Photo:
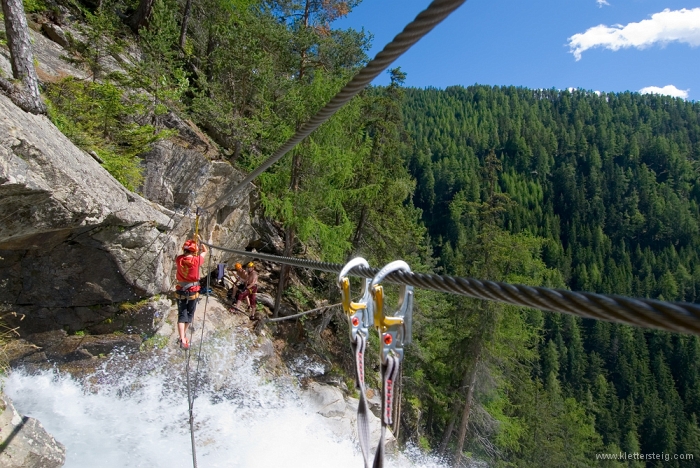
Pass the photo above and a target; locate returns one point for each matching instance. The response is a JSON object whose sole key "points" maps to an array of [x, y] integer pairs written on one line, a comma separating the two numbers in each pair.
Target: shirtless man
{"points": [[251, 288]]}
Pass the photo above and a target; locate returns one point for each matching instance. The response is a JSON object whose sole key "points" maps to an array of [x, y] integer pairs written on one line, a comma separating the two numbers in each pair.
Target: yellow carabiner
{"points": [[349, 306], [382, 322], [359, 313]]}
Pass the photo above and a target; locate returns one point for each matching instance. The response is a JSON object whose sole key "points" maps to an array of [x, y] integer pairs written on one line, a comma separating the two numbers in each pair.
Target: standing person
{"points": [[251, 289], [187, 289], [239, 279]]}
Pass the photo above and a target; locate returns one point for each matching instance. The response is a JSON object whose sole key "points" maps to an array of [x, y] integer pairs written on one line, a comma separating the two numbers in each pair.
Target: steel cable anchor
{"points": [[395, 329], [360, 319], [359, 313], [394, 332]]}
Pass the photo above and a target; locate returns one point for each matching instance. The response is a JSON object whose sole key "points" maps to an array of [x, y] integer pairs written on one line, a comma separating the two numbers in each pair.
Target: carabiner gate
{"points": [[395, 329], [359, 313]]}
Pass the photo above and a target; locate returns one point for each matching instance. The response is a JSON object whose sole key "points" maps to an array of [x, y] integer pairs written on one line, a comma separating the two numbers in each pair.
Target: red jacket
{"points": [[188, 270]]}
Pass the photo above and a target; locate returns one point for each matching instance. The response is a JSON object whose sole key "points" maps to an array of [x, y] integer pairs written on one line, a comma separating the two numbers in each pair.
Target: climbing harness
{"points": [[360, 319], [394, 332]]}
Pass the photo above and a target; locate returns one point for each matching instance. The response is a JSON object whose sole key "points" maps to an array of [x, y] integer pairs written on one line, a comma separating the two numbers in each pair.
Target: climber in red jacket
{"points": [[187, 289]]}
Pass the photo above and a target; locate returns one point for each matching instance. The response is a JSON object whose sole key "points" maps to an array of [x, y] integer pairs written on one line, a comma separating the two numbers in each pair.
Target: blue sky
{"points": [[600, 45]]}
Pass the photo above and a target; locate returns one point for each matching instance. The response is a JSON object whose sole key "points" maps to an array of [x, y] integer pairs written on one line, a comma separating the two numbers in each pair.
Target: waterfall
{"points": [[132, 411]]}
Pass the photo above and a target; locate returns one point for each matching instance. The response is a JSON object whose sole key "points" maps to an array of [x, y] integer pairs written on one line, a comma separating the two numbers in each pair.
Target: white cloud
{"points": [[601, 3], [668, 90], [664, 27]]}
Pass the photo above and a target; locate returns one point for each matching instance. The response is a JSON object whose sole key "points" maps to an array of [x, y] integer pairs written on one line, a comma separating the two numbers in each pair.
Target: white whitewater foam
{"points": [[134, 413]]}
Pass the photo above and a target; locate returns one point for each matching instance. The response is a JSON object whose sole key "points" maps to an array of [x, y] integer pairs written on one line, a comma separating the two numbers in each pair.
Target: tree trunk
{"points": [[447, 435], [140, 17], [465, 413], [284, 269], [28, 97], [289, 231], [450, 427], [185, 19], [304, 52], [280, 289], [211, 46], [357, 237]]}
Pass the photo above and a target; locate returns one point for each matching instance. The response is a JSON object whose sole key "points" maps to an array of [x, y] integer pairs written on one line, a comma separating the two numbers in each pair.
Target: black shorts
{"points": [[185, 310]]}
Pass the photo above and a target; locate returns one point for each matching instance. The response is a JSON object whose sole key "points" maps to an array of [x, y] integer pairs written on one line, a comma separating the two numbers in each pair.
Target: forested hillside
{"points": [[606, 187]]}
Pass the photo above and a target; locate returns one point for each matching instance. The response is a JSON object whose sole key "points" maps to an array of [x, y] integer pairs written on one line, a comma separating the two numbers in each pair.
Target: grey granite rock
{"points": [[24, 443]]}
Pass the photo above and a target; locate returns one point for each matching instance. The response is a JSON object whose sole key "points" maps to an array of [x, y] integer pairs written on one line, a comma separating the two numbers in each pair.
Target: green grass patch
{"points": [[134, 306], [154, 342], [6, 335], [34, 6], [100, 117]]}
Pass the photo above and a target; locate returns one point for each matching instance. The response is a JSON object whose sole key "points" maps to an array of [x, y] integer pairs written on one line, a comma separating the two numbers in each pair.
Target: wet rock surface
{"points": [[24, 443], [341, 413]]}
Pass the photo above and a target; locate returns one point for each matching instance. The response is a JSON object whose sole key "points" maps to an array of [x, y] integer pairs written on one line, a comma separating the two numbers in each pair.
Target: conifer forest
{"points": [[572, 189]]}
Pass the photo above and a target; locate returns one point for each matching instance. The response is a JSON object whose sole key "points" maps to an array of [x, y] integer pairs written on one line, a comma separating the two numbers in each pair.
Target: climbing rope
{"points": [[192, 394], [426, 20], [190, 403], [679, 317]]}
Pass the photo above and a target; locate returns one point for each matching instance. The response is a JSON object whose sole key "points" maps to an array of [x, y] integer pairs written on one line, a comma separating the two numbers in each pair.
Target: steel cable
{"points": [[318, 309], [426, 20], [681, 317], [192, 393]]}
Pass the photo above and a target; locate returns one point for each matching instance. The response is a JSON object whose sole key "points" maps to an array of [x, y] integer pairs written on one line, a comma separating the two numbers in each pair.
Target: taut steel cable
{"points": [[426, 20], [681, 317], [318, 309]]}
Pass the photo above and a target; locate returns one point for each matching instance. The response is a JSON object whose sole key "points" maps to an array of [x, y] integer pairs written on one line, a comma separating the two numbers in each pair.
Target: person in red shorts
{"points": [[251, 288], [187, 289]]}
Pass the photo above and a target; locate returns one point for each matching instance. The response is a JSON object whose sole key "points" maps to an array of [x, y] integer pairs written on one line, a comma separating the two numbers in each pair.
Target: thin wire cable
{"points": [[324, 308], [201, 335], [23, 207], [191, 396], [189, 404], [680, 317], [186, 214], [154, 241], [426, 20]]}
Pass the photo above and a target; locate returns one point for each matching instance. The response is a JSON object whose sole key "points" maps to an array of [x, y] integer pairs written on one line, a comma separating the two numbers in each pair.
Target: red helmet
{"points": [[190, 245]]}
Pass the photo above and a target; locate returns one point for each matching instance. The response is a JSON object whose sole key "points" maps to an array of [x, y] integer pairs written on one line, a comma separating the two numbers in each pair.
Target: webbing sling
{"points": [[360, 319], [394, 331], [358, 347], [390, 373]]}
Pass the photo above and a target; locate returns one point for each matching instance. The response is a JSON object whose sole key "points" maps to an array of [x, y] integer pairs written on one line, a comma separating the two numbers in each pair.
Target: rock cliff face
{"points": [[73, 241], [75, 245], [65, 225]]}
